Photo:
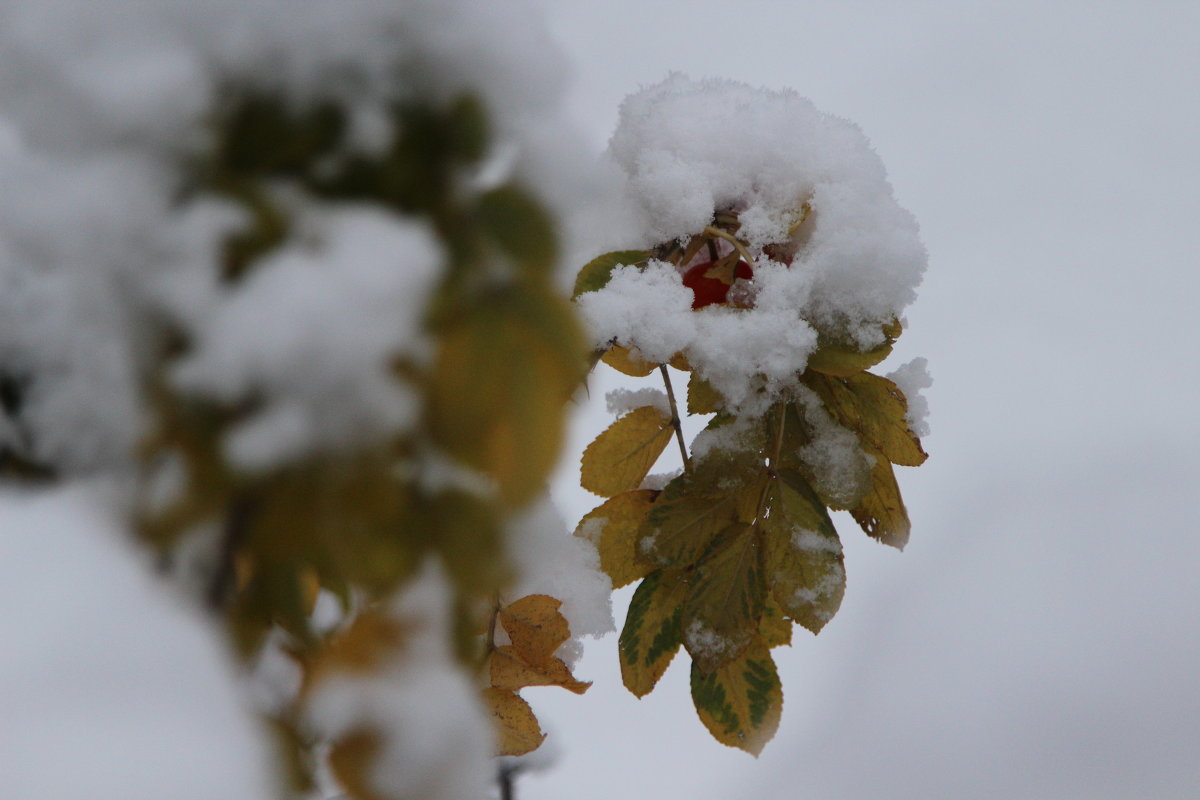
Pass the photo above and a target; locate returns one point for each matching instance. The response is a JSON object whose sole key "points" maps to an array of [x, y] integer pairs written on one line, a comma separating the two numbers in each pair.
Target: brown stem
{"points": [[675, 421]]}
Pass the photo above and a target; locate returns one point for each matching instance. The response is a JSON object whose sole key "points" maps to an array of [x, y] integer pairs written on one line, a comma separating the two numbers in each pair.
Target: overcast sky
{"points": [[1040, 637]]}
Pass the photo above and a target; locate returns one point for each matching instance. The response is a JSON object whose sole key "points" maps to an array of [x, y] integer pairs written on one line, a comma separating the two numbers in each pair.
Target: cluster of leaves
{"points": [[740, 546], [535, 629], [357, 523]]}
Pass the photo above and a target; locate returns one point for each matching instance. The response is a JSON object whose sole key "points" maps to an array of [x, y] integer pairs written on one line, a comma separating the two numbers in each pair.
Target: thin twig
{"points": [[675, 421], [729, 237]]}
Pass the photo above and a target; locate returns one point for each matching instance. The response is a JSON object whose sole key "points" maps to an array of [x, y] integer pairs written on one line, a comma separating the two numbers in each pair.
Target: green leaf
{"points": [[619, 459], [725, 599], [613, 528], [876, 409], [651, 636], [740, 702], [595, 274], [881, 512], [520, 226], [803, 555]]}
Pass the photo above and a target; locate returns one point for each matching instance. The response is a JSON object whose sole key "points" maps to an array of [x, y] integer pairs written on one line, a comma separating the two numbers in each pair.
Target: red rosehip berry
{"points": [[708, 289]]}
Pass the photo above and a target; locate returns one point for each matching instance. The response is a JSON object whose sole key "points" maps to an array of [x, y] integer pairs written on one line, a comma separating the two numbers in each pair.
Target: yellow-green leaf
{"points": [[504, 370], [877, 410], [774, 629], [628, 362], [596, 273], [725, 599], [803, 555], [740, 702], [651, 635], [684, 520], [517, 729], [508, 669], [881, 512], [621, 457], [613, 528], [702, 397]]}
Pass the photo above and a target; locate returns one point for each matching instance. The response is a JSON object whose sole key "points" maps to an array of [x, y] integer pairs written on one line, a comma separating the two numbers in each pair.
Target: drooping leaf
{"points": [[509, 669], [702, 397], [613, 528], [620, 458], [740, 702], [881, 512], [877, 410], [504, 371], [725, 599], [517, 729], [651, 635], [596, 273], [803, 555], [535, 626], [627, 362], [839, 360]]}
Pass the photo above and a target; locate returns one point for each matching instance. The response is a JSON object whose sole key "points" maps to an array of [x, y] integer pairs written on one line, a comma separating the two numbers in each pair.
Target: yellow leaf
{"points": [[509, 670], [877, 410], [624, 360], [535, 626], [680, 362], [881, 512], [841, 361], [689, 513], [702, 397], [613, 528], [740, 702], [803, 555], [351, 761], [725, 599], [620, 457], [517, 729], [651, 636]]}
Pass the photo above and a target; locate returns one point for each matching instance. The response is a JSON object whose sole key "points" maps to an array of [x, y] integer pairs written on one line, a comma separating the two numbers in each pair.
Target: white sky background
{"points": [[1040, 637]]}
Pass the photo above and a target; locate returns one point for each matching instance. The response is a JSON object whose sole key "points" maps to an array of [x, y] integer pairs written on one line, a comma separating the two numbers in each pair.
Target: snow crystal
{"points": [[622, 401], [810, 541], [702, 640], [911, 378], [830, 582], [730, 437], [659, 480], [840, 469]]}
